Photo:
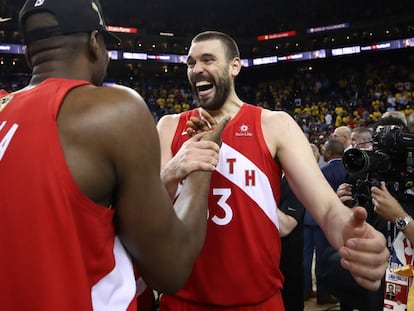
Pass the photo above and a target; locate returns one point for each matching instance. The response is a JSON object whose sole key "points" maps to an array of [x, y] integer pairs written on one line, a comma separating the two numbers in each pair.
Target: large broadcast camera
{"points": [[391, 160]]}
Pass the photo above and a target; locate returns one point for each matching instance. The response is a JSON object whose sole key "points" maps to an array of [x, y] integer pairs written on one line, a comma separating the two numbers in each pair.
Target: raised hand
{"points": [[203, 123], [364, 253], [385, 204]]}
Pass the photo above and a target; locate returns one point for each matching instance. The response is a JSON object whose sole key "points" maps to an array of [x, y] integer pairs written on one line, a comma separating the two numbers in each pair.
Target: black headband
{"points": [[42, 33]]}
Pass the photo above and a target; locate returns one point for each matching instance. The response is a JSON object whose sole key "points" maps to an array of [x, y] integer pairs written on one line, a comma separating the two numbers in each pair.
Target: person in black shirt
{"points": [[291, 260]]}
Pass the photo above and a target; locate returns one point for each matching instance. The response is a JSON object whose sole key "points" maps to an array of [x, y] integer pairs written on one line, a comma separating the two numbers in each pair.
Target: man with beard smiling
{"points": [[238, 267]]}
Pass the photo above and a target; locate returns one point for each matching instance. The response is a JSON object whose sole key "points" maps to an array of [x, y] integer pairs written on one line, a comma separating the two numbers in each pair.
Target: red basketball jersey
{"points": [[239, 263], [59, 249]]}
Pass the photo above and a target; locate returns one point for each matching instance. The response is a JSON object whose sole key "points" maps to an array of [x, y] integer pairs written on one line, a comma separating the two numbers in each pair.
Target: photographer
{"points": [[361, 138], [398, 212], [388, 205], [392, 215]]}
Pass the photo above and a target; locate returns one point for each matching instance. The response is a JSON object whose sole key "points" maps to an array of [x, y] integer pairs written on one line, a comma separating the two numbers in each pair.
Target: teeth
{"points": [[202, 83]]}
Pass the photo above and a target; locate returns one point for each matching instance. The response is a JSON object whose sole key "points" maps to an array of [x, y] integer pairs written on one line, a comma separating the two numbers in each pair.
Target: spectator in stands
{"points": [[328, 118]]}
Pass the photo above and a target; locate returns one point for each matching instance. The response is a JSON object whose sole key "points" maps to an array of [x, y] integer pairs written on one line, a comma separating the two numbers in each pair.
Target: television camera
{"points": [[391, 160]]}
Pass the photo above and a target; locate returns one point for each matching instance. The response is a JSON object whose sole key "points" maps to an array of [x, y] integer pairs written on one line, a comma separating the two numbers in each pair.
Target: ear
{"points": [[93, 44], [28, 57], [236, 66]]}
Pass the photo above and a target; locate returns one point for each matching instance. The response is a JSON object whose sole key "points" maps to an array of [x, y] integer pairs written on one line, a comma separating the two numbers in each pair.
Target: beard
{"points": [[223, 87]]}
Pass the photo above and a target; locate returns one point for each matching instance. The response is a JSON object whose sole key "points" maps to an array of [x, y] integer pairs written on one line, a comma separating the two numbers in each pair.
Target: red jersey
{"points": [[60, 251], [239, 263], [3, 93]]}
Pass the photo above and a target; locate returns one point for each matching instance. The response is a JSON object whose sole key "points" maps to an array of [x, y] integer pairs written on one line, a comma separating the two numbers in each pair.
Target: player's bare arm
{"points": [[364, 253], [195, 154], [122, 146]]}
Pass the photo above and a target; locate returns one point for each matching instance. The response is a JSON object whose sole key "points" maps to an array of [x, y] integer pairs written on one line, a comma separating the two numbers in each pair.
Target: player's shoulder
{"points": [[274, 113], [114, 99], [170, 117], [276, 117], [105, 108], [169, 121], [119, 93]]}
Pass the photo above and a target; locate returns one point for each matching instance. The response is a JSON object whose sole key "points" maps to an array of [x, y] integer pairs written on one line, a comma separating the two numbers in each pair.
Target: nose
{"points": [[197, 68]]}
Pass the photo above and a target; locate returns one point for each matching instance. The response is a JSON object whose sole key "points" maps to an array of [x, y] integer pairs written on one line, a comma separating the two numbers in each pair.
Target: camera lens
{"points": [[356, 160]]}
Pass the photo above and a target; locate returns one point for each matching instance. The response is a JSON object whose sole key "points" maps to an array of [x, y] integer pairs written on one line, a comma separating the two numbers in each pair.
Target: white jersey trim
{"points": [[261, 193], [116, 290]]}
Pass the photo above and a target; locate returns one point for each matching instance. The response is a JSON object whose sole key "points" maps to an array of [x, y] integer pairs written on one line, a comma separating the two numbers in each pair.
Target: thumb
{"points": [[215, 134], [359, 216], [356, 226]]}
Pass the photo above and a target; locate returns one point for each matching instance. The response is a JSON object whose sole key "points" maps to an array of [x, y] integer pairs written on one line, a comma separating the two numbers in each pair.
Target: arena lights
{"points": [[327, 28], [279, 35], [121, 29], [166, 34], [271, 59], [264, 60], [346, 50], [136, 56], [12, 48]]}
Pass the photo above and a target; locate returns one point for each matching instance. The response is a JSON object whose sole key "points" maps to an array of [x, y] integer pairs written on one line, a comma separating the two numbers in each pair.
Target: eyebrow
{"points": [[208, 55], [204, 55]]}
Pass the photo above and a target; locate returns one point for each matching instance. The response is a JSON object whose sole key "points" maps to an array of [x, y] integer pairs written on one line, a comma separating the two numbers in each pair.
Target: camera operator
{"points": [[392, 215], [398, 212], [361, 138]]}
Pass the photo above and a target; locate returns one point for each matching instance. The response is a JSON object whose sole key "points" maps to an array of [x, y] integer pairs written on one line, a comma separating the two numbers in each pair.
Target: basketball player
{"points": [[238, 268]]}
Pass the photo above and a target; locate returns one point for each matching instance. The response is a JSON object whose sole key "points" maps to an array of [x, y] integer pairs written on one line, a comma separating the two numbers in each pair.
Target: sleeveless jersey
{"points": [[59, 249], [239, 263]]}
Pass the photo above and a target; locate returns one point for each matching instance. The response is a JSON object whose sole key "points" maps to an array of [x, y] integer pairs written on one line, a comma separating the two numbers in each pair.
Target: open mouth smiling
{"points": [[204, 86]]}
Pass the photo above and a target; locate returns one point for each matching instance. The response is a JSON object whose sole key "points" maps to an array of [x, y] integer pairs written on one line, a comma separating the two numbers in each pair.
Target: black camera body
{"points": [[391, 160]]}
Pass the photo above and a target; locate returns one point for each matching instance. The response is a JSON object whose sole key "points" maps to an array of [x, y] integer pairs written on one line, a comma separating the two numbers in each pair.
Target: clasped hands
{"points": [[201, 151]]}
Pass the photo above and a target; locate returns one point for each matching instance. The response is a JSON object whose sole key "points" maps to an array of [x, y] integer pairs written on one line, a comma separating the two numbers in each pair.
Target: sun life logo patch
{"points": [[244, 131]]}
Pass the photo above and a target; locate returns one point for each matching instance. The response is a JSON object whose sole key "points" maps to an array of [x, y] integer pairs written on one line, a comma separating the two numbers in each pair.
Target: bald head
{"points": [[343, 135], [395, 115]]}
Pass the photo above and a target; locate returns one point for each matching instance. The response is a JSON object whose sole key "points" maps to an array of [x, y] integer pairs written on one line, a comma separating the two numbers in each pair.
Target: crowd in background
{"points": [[319, 100], [158, 16]]}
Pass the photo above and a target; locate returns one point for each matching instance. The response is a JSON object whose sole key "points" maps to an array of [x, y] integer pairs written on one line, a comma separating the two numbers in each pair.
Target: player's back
{"points": [[59, 246]]}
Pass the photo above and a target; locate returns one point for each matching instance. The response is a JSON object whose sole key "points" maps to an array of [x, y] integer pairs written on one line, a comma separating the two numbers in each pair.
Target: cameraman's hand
{"points": [[344, 192], [364, 253], [385, 204]]}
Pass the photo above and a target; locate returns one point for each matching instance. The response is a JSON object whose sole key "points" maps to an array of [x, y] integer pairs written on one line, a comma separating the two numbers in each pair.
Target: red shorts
{"points": [[169, 303]]}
